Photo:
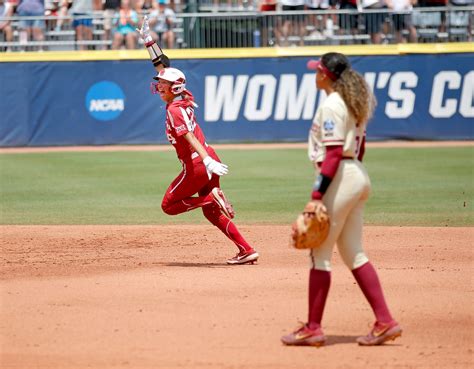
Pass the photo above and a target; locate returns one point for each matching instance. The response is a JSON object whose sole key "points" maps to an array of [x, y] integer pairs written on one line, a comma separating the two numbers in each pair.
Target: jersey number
{"points": [[188, 116]]}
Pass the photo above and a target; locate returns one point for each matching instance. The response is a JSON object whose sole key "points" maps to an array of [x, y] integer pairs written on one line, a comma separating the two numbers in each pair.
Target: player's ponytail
{"points": [[355, 92], [189, 98]]}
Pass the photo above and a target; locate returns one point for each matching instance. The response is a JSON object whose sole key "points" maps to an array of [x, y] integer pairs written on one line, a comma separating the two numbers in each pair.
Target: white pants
{"points": [[345, 200]]}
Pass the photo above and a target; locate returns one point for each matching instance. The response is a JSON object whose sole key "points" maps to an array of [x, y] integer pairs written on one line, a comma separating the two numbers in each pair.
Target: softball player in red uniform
{"points": [[336, 147], [202, 167]]}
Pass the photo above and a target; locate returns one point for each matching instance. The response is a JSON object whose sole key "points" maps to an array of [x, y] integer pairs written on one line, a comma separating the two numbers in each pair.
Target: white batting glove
{"points": [[213, 166], [144, 31]]}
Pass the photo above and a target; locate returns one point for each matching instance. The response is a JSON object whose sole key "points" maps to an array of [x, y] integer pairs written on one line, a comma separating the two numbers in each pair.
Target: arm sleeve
{"points": [[331, 161], [328, 168]]}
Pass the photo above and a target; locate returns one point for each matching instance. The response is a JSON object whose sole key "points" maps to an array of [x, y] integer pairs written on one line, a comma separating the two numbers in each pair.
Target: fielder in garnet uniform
{"points": [[336, 147], [202, 167]]}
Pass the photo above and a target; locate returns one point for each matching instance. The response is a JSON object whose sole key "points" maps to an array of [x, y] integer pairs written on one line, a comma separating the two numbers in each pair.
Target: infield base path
{"points": [[163, 297]]}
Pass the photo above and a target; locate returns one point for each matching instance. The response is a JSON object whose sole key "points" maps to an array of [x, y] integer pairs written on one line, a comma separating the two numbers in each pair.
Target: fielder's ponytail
{"points": [[355, 92]]}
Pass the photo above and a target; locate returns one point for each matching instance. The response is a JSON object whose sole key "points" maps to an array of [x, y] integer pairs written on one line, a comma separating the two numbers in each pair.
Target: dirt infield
{"points": [[162, 297], [246, 146]]}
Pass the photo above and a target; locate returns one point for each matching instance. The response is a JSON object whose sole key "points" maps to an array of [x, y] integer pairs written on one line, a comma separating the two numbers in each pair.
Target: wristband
{"points": [[322, 183], [316, 195]]}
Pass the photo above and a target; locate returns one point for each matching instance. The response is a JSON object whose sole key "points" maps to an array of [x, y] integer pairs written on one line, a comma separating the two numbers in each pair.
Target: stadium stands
{"points": [[241, 26]]}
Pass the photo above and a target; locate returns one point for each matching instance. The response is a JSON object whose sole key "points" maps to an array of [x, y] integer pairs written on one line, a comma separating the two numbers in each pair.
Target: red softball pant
{"points": [[192, 180]]}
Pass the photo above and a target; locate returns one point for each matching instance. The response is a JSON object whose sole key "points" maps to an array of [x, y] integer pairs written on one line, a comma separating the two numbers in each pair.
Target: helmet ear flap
{"points": [[178, 86]]}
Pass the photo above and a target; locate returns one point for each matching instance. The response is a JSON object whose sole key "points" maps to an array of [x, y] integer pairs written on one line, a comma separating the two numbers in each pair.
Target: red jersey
{"points": [[180, 120]]}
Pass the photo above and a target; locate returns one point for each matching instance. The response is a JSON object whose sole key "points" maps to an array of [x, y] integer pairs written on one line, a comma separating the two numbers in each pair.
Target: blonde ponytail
{"points": [[356, 94]]}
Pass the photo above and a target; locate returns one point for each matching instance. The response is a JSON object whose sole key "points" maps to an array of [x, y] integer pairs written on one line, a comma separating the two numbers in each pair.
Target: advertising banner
{"points": [[420, 97]]}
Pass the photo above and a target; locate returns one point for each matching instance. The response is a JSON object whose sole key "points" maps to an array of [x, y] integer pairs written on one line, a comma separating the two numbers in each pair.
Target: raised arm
{"points": [[158, 59]]}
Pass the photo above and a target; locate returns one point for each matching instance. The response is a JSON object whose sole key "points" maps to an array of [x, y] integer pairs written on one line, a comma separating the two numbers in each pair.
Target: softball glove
{"points": [[310, 229]]}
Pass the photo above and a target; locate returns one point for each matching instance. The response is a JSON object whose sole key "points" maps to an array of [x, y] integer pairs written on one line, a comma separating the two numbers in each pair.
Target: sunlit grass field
{"points": [[411, 186]]}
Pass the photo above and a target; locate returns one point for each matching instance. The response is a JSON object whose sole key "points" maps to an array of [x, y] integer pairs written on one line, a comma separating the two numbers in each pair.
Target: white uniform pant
{"points": [[345, 200]]}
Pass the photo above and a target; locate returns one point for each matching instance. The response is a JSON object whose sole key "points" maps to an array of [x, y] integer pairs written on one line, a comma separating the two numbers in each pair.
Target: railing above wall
{"points": [[267, 29]]}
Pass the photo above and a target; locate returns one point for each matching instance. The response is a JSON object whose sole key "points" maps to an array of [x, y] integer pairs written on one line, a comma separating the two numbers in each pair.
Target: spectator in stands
{"points": [[316, 23], [81, 11], [125, 22], [237, 4], [161, 22], [348, 23], [145, 7], [436, 3], [373, 21], [402, 21], [52, 9], [460, 20], [291, 22], [6, 10], [31, 28], [110, 7], [267, 24]]}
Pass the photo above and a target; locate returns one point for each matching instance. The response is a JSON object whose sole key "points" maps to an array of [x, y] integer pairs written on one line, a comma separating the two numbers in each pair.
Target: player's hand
{"points": [[144, 31], [213, 166], [315, 208]]}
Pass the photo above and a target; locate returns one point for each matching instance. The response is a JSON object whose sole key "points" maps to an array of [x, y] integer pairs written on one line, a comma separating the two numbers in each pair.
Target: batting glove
{"points": [[213, 166], [145, 31]]}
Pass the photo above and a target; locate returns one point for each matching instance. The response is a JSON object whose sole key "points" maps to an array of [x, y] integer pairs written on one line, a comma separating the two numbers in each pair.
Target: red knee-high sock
{"points": [[185, 205], [369, 283], [319, 282], [214, 215]]}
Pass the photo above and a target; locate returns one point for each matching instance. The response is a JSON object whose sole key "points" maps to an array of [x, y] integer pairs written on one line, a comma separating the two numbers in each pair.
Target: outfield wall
{"points": [[99, 98]]}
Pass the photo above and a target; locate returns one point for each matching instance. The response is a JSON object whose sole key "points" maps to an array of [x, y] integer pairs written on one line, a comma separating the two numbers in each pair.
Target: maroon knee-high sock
{"points": [[214, 215], [369, 283], [319, 282]]}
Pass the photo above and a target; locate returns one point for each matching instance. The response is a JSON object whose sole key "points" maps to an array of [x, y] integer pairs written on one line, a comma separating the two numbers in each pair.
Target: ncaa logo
{"points": [[105, 100], [328, 125]]}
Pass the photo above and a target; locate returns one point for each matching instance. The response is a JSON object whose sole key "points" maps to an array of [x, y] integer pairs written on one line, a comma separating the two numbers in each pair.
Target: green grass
{"points": [[416, 186]]}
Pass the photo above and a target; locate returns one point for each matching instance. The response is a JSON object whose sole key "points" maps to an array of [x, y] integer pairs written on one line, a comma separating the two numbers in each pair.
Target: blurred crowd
{"points": [[375, 17], [119, 18]]}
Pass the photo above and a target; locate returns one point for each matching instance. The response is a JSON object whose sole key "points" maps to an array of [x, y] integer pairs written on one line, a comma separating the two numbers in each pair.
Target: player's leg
{"points": [[179, 198], [350, 248], [213, 212], [319, 283], [351, 251], [192, 179]]}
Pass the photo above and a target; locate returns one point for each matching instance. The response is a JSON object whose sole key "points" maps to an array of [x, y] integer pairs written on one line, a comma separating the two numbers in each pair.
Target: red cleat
{"points": [[380, 333], [220, 199], [244, 257], [304, 336]]}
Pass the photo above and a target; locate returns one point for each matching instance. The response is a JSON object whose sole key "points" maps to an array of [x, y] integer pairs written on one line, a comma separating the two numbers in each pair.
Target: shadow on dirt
{"points": [[335, 340], [194, 265]]}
